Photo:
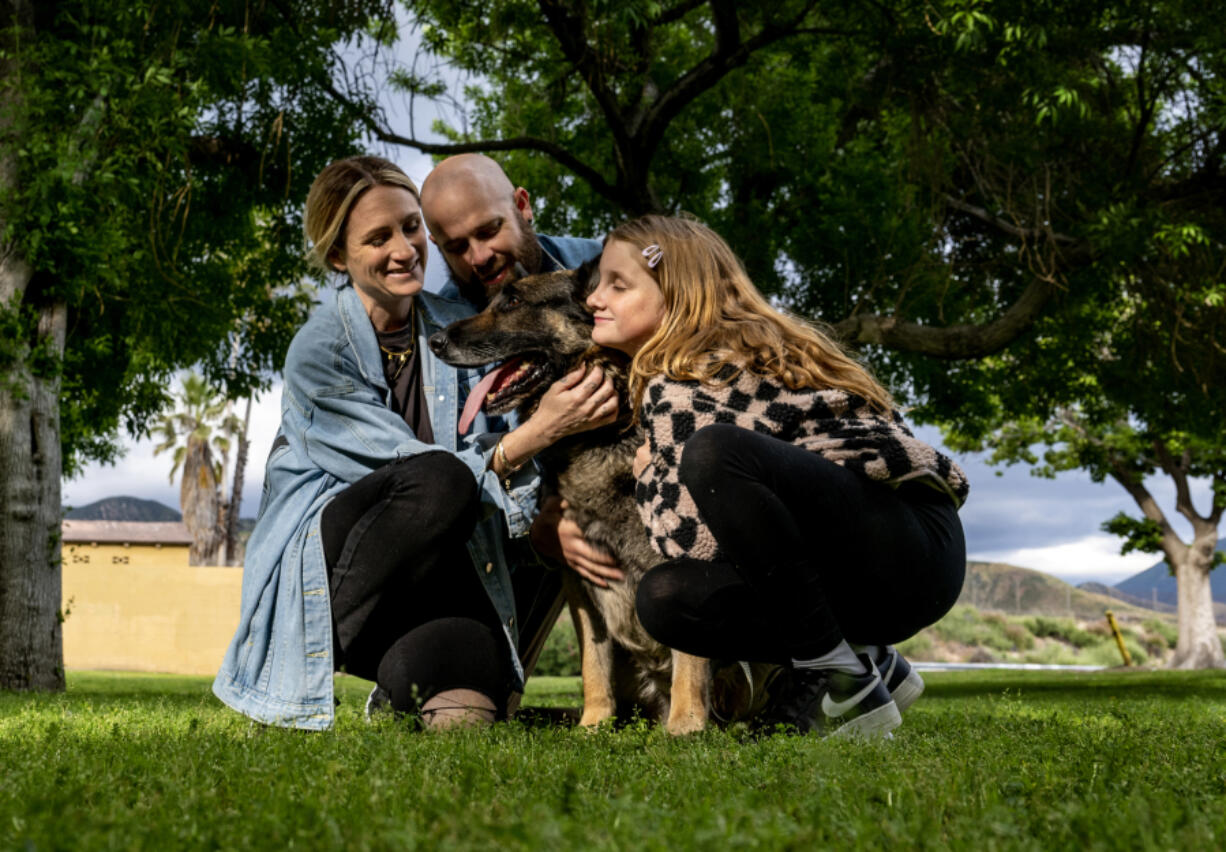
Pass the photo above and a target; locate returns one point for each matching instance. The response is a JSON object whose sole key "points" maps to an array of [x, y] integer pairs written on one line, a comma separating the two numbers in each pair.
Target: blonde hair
{"points": [[333, 195], [716, 323]]}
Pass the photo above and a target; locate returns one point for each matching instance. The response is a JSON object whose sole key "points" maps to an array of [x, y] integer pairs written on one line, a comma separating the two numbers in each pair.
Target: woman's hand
{"points": [[642, 458], [558, 538], [582, 399]]}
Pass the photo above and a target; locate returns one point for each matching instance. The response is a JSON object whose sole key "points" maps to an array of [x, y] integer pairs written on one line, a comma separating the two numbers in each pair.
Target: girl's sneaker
{"points": [[901, 679], [833, 703]]}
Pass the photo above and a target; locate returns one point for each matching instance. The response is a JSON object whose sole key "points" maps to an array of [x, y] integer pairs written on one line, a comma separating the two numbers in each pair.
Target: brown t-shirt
{"points": [[403, 373]]}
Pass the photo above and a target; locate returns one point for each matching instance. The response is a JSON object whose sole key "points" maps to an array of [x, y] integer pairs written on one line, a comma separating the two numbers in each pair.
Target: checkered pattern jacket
{"points": [[836, 424]]}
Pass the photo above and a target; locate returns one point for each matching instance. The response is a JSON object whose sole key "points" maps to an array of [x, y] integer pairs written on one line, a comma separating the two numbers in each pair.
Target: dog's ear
{"points": [[586, 278]]}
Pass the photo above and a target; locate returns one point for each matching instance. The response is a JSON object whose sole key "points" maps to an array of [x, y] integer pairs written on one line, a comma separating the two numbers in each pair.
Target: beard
{"points": [[528, 256]]}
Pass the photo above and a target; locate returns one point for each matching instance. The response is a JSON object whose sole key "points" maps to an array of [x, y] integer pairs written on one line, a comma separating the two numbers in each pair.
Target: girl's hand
{"points": [[642, 458], [582, 399], [561, 539]]}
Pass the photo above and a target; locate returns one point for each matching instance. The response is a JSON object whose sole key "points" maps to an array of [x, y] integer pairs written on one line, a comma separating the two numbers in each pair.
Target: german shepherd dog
{"points": [[541, 329]]}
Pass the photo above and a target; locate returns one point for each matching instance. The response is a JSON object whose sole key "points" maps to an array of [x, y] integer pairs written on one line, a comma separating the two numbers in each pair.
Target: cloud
{"points": [[1093, 558]]}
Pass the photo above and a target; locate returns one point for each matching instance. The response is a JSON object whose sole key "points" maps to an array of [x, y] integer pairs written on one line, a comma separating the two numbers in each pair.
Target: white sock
{"points": [[875, 652], [842, 659]]}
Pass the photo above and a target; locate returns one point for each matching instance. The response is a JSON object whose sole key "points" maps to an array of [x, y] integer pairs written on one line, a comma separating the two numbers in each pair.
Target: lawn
{"points": [[1114, 760]]}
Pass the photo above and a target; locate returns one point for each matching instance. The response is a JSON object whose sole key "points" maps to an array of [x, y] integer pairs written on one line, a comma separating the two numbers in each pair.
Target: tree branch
{"points": [[1179, 474], [568, 29], [515, 143], [953, 342], [1008, 227], [1172, 546], [730, 52]]}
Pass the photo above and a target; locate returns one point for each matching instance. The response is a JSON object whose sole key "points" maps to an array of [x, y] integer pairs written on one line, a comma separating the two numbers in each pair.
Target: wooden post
{"points": [[1119, 638]]}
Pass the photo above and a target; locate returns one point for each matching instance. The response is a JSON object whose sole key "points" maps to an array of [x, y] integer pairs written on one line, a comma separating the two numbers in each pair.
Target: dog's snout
{"points": [[438, 342]]}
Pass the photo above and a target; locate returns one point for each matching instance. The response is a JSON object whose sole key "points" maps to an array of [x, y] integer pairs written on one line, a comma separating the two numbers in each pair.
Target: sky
{"points": [[1051, 525]]}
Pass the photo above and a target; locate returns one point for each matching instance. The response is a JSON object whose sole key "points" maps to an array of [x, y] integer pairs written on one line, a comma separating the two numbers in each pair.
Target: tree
{"points": [[204, 423], [154, 158], [928, 177]]}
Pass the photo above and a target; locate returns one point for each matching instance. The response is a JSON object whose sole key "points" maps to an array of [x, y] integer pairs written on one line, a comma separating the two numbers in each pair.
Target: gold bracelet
{"points": [[501, 453]]}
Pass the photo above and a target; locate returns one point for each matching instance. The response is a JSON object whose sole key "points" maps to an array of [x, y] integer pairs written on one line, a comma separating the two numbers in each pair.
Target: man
{"points": [[482, 225]]}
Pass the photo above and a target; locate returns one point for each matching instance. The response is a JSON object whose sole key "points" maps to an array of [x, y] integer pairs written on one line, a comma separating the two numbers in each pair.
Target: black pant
{"points": [[815, 554], [408, 609]]}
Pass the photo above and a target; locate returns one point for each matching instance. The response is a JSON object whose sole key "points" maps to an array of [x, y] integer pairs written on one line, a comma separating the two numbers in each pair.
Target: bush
{"points": [[918, 647], [560, 656], [966, 625], [1168, 631], [1053, 652], [1064, 629], [1107, 653]]}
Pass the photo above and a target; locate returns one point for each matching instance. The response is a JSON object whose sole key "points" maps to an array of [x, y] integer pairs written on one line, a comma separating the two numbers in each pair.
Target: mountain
{"points": [[123, 509], [1022, 591], [1157, 580]]}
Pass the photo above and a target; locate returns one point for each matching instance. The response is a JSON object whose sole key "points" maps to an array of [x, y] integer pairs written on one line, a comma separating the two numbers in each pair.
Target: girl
{"points": [[796, 512], [380, 542]]}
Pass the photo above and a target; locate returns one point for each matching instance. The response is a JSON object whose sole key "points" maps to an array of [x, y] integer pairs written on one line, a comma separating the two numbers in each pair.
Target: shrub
{"points": [[1064, 629], [918, 647], [560, 656], [1168, 631], [1107, 653], [1053, 652]]}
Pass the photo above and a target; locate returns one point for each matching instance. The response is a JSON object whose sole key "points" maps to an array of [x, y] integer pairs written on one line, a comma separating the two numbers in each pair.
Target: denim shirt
{"points": [[337, 427]]}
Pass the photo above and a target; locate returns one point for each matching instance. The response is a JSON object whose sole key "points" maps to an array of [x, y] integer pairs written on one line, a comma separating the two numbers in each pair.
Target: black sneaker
{"points": [[378, 703], [903, 681], [828, 702]]}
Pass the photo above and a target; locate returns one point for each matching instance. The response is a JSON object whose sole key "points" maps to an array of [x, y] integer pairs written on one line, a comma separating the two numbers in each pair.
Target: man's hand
{"points": [[561, 539]]}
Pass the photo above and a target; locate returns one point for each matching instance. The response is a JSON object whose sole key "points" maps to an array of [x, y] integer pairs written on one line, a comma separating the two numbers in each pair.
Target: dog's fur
{"points": [[542, 319]]}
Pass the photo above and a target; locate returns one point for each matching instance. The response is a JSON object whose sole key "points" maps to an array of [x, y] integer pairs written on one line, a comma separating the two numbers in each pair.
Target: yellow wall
{"points": [[142, 608]]}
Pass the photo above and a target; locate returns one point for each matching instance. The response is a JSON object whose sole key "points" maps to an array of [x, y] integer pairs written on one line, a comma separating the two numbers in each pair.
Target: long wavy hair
{"points": [[717, 324]]}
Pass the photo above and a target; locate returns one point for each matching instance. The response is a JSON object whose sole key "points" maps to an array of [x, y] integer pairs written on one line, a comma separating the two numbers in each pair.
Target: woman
{"points": [[797, 513], [379, 542]]}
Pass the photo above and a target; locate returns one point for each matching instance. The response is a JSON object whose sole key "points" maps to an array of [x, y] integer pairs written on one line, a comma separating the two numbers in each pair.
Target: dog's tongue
{"points": [[476, 398]]}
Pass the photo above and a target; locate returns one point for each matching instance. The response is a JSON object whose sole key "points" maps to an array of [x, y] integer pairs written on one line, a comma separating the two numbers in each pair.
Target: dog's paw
{"points": [[685, 723], [595, 716]]}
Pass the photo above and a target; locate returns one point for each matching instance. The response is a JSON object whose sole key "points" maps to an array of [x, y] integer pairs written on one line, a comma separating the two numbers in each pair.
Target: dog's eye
{"points": [[511, 302]]}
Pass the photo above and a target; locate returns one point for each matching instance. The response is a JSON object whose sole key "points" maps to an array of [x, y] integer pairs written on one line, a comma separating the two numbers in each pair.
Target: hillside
{"points": [[1157, 581], [123, 509], [1021, 591]]}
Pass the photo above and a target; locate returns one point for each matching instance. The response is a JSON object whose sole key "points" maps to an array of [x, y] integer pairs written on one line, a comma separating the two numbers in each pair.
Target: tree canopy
{"points": [[930, 178], [154, 158]]}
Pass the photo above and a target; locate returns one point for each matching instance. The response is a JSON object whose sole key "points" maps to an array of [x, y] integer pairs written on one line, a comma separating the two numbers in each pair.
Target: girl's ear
{"points": [[587, 276]]}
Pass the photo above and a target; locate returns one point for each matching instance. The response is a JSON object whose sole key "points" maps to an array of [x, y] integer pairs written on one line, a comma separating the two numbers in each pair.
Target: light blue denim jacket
{"points": [[336, 427]]}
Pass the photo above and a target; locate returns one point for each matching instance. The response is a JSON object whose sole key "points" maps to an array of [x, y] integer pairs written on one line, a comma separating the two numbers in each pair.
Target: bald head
{"points": [[480, 221], [469, 174]]}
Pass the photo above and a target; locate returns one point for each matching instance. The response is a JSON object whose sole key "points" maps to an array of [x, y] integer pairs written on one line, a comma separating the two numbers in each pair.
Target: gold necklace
{"points": [[402, 357]]}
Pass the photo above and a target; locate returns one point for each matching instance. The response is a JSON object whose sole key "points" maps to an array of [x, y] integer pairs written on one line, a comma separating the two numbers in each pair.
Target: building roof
{"points": [[126, 532]]}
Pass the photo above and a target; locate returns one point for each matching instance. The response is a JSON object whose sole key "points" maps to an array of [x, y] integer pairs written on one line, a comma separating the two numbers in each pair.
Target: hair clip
{"points": [[653, 253]]}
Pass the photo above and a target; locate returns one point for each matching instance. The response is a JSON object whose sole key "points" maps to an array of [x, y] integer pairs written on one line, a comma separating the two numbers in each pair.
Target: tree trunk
{"points": [[1198, 646], [198, 500], [31, 639], [236, 494]]}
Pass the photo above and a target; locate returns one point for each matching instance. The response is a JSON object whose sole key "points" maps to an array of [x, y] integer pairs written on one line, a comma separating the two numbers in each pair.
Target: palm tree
{"points": [[199, 433]]}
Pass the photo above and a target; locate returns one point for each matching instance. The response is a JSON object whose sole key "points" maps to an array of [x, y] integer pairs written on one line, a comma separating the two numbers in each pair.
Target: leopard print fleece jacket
{"points": [[838, 425]]}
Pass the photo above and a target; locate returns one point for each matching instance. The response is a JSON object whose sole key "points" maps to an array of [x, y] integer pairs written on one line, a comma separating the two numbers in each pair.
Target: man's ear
{"points": [[523, 203], [587, 276]]}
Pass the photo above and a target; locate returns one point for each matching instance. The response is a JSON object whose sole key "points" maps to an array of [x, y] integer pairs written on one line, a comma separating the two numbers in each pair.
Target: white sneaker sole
{"points": [[873, 724], [908, 691]]}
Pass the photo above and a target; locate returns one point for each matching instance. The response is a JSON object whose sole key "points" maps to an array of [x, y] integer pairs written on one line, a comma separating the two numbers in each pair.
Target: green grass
{"points": [[1115, 760]]}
